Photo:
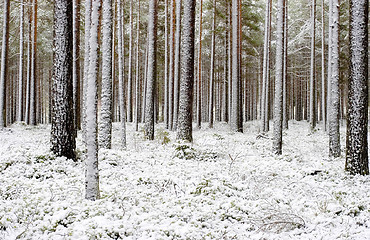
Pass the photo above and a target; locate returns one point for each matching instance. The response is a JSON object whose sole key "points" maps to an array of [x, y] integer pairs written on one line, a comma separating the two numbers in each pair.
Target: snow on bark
{"points": [[152, 70], [333, 113], [92, 171], [357, 161], [121, 82], [4, 64], [137, 77], [278, 110], [166, 65], [62, 126], [212, 72], [312, 68], [20, 72], [265, 74], [76, 64], [236, 115], [199, 85], [171, 65], [184, 128], [130, 60], [105, 124], [285, 70], [176, 83], [33, 71], [323, 99]]}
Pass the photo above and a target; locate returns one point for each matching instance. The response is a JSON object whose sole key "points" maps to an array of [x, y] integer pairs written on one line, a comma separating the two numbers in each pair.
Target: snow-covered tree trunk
{"points": [[265, 74], [4, 63], [105, 124], [323, 99], [86, 62], [130, 67], [33, 70], [177, 69], [278, 110], [357, 157], [20, 72], [62, 126], [312, 68], [285, 70], [225, 105], [212, 70], [121, 79], [152, 70], [171, 65], [76, 64], [92, 171], [184, 130], [334, 141], [166, 33], [236, 110], [137, 77], [29, 37], [199, 85]]}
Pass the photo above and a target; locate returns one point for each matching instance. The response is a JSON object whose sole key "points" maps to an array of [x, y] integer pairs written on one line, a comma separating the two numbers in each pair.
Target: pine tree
{"points": [[76, 64], [92, 171], [152, 70], [184, 130], [212, 71], [312, 68], [357, 158], [62, 126], [20, 73], [105, 128]]}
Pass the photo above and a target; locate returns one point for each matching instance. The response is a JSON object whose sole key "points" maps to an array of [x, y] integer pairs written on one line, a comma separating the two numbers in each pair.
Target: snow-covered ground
{"points": [[223, 186]]}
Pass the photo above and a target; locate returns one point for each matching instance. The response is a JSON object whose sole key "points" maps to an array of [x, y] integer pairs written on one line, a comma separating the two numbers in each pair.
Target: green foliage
{"points": [[184, 151], [163, 136]]}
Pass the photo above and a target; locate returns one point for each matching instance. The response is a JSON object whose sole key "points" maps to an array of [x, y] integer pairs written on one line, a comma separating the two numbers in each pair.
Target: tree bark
{"points": [[312, 69], [152, 70], [199, 85], [357, 158], [62, 126], [76, 65], [130, 60], [33, 70], [184, 131], [105, 128], [323, 99], [137, 77], [212, 70], [20, 72]]}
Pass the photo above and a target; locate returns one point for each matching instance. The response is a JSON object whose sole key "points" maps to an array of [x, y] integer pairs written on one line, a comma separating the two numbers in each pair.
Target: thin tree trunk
{"points": [[323, 100], [334, 140], [105, 128], [27, 110], [165, 65], [357, 157], [76, 65], [177, 64], [137, 85], [199, 85], [312, 69], [121, 80], [130, 60], [285, 70], [33, 66], [92, 171], [171, 67], [20, 72], [212, 71]]}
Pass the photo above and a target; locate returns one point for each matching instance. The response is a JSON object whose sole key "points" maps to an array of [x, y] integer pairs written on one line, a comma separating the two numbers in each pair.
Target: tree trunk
{"points": [[137, 77], [357, 160], [33, 66], [105, 128], [165, 112], [278, 111], [212, 71], [184, 131], [130, 59], [323, 99], [121, 80], [312, 69], [176, 83], [152, 70], [334, 140], [236, 115], [199, 85], [62, 126], [4, 64], [76, 65], [92, 171], [20, 72], [171, 67], [285, 70]]}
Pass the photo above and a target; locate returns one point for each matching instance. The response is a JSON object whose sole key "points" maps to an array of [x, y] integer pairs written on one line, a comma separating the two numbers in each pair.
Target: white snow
{"points": [[224, 186]]}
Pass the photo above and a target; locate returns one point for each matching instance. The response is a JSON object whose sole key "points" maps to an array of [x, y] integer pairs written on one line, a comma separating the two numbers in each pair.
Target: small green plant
{"points": [[163, 136], [184, 151]]}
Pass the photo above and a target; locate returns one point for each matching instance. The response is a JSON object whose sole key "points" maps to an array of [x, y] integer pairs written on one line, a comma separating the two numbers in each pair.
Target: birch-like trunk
{"points": [[76, 65], [285, 70], [334, 140], [137, 77], [177, 69], [184, 130], [92, 170], [62, 126], [105, 124], [323, 99], [171, 66], [20, 72], [152, 70], [357, 156], [121, 79], [33, 70], [130, 60], [212, 70]]}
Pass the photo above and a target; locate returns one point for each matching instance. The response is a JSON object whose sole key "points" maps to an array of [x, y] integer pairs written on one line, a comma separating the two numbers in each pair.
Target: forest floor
{"points": [[223, 186]]}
